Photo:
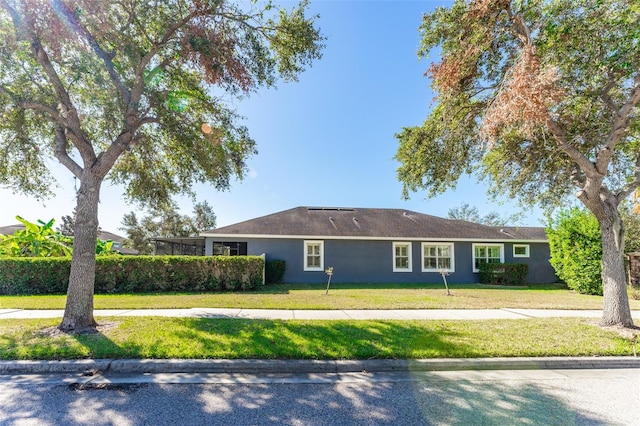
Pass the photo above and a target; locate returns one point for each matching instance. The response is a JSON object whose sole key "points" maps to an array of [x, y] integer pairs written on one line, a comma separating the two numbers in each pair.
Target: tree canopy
{"points": [[138, 93], [93, 82], [471, 214], [541, 98], [165, 222], [537, 95]]}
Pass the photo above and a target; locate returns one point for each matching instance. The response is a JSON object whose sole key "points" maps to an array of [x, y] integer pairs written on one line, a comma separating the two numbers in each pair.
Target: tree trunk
{"points": [[78, 312], [615, 309]]}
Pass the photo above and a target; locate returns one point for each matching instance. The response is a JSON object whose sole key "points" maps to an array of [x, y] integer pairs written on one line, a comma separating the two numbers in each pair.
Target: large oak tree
{"points": [[540, 96], [136, 92]]}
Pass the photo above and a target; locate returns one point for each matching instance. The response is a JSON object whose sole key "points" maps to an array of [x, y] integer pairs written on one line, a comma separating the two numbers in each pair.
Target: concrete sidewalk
{"points": [[342, 314]]}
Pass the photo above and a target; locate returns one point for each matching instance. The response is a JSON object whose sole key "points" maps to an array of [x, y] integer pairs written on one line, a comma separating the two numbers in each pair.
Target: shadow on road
{"points": [[440, 402]]}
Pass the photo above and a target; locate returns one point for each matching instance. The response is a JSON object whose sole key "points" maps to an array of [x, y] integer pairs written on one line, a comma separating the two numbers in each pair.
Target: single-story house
{"points": [[375, 245]]}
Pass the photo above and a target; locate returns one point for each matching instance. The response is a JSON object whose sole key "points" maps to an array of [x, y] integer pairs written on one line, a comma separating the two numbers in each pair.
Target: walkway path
{"points": [[343, 314]]}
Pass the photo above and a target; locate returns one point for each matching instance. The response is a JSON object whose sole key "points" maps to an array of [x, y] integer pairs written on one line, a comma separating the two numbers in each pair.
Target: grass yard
{"points": [[341, 296], [201, 338]]}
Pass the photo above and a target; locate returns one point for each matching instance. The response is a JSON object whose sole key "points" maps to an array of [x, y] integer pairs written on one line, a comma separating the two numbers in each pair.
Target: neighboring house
{"points": [[381, 245], [102, 235]]}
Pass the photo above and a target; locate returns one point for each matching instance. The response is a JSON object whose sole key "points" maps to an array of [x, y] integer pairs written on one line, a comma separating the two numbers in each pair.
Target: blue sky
{"points": [[327, 140]]}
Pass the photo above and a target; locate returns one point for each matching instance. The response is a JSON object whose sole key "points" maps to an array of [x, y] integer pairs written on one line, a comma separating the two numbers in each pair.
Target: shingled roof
{"points": [[371, 223]]}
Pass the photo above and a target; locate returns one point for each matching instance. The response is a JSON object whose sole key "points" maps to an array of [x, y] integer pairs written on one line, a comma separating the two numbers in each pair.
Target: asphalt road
{"points": [[529, 397]]}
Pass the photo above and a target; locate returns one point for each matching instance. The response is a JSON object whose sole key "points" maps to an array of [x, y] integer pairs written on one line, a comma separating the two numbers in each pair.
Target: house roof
{"points": [[371, 223]]}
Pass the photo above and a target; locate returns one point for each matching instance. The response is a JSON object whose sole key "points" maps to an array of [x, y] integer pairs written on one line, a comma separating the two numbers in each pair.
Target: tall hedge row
{"points": [[136, 274]]}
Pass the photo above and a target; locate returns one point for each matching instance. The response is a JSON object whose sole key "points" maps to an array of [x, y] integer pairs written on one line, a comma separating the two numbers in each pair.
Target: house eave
{"points": [[367, 238]]}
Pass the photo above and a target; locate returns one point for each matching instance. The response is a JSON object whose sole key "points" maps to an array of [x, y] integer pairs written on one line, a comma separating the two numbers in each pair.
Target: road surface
{"points": [[540, 397]]}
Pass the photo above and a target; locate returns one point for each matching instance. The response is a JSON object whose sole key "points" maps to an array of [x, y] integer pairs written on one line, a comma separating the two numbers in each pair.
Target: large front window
{"points": [[487, 253], [314, 255], [437, 257], [401, 257]]}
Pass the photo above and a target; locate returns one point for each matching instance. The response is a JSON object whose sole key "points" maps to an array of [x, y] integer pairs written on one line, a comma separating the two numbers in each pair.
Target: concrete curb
{"points": [[256, 366]]}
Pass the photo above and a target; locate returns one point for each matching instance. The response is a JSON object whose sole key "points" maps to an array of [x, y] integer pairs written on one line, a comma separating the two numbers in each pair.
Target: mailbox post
{"points": [[329, 272]]}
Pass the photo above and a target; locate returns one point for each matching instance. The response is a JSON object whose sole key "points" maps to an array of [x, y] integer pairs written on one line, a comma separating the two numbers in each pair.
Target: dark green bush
{"points": [[576, 250], [135, 274], [503, 273], [274, 271]]}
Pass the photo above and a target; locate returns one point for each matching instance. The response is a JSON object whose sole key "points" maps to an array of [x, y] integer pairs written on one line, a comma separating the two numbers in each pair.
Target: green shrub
{"points": [[135, 274], [503, 273], [576, 250], [34, 275], [274, 271]]}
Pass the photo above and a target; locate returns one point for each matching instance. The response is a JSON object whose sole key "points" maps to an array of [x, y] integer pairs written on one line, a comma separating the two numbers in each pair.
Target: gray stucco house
{"points": [[371, 245]]}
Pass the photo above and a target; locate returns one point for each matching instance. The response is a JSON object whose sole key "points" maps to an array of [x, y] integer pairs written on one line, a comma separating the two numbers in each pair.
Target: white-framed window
{"points": [[437, 257], [402, 257], [487, 253], [314, 255], [521, 250]]}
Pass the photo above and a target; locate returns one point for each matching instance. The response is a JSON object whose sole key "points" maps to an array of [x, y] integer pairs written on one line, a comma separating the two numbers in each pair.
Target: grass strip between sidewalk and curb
{"points": [[206, 338]]}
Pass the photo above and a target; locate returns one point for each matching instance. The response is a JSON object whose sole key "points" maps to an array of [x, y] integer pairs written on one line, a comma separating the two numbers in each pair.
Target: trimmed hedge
{"points": [[503, 273], [135, 274], [274, 271]]}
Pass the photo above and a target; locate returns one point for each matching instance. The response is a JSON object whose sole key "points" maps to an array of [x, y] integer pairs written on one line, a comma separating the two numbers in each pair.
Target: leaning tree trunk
{"points": [[78, 312], [616, 309]]}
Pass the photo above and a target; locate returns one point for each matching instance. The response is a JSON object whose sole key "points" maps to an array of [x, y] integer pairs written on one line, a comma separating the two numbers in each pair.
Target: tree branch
{"points": [[63, 156], [67, 114], [107, 159], [106, 58], [619, 128], [606, 98], [520, 28], [585, 165], [53, 114]]}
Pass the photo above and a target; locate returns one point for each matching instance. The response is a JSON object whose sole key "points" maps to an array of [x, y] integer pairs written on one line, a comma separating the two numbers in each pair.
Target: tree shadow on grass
{"points": [[207, 338], [277, 339]]}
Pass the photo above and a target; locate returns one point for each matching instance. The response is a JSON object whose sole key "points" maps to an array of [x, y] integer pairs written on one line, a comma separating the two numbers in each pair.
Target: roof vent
{"points": [[333, 222], [505, 232], [408, 216], [355, 220]]}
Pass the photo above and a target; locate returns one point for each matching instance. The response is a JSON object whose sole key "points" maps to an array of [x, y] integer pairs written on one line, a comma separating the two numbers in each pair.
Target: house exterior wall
{"points": [[371, 261]]}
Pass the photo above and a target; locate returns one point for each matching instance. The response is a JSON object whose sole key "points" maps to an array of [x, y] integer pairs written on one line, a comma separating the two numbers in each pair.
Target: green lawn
{"points": [[341, 296], [201, 338]]}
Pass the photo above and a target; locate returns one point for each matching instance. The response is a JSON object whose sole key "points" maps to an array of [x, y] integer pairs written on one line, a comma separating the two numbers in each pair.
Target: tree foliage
{"points": [[135, 92], [471, 214], [576, 250], [165, 222], [95, 81], [529, 93], [541, 98]]}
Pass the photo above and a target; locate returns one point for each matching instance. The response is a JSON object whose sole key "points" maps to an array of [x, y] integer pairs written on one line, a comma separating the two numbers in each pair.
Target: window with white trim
{"points": [[487, 253], [437, 257], [314, 255], [402, 257], [521, 250]]}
